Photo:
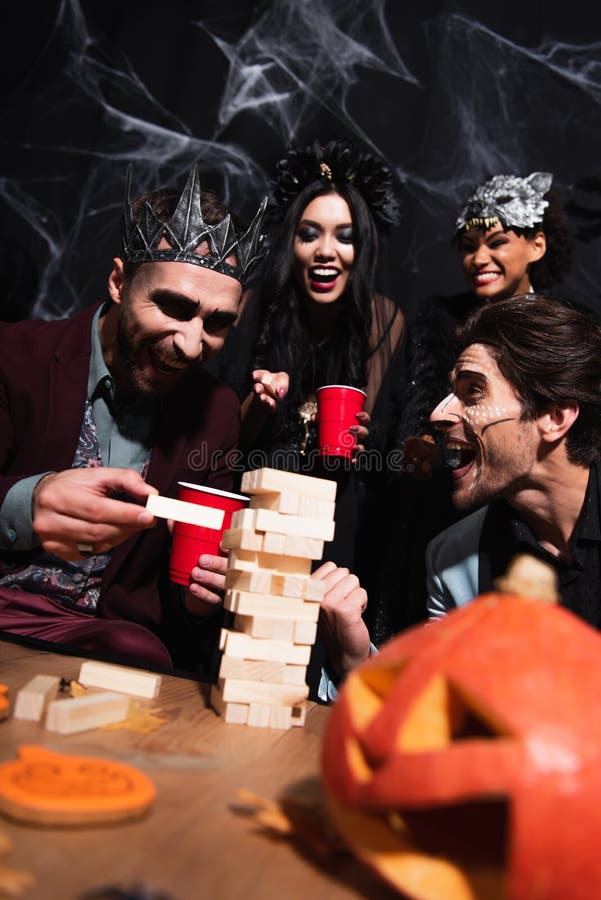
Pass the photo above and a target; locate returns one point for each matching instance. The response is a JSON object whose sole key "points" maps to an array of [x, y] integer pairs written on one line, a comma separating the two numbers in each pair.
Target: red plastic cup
{"points": [[190, 541], [337, 408]]}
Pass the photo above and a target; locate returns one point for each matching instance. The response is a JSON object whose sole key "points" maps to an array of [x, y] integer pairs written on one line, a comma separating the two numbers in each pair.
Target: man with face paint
{"points": [[522, 434]]}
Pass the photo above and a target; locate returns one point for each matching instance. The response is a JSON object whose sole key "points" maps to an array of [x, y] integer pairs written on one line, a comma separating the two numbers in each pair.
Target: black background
{"points": [[447, 93]]}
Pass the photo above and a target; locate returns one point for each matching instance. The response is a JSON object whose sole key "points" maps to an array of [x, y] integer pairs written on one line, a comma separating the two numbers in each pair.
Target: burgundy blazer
{"points": [[43, 386]]}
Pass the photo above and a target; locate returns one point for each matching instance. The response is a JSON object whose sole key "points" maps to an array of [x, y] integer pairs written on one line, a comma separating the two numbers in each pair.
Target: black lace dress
{"points": [[412, 512]]}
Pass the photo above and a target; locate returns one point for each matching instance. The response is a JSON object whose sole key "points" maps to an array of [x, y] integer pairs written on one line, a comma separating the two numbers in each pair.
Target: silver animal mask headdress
{"points": [[186, 230], [514, 202]]}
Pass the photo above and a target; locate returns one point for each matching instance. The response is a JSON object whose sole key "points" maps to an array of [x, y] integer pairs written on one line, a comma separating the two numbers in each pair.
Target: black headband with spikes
{"points": [[186, 230], [339, 162]]}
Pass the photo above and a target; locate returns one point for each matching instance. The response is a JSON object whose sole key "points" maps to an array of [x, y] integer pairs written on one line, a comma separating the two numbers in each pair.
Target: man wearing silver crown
{"points": [[101, 410]]}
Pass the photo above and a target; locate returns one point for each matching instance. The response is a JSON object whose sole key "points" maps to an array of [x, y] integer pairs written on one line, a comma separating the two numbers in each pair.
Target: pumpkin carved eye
{"points": [[440, 716]]}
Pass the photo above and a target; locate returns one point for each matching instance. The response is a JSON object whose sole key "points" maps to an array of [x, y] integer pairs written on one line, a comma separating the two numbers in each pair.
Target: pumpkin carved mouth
{"points": [[432, 847]]}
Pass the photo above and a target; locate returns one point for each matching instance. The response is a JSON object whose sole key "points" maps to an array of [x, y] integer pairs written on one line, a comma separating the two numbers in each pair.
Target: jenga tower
{"points": [[273, 597]]}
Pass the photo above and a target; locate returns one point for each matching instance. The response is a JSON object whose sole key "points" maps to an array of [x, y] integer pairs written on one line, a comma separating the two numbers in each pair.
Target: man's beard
{"points": [[499, 476], [128, 351]]}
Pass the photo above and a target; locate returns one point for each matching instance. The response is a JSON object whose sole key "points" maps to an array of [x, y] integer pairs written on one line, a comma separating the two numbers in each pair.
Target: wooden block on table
{"points": [[288, 716], [267, 520], [256, 582], [124, 679], [234, 644], [235, 691], [240, 539], [259, 715], [181, 511], [266, 481], [233, 713], [82, 713], [34, 697], [250, 560], [270, 627], [247, 604]]}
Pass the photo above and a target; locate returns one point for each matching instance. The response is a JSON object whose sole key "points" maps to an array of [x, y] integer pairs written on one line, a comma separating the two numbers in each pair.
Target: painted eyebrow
{"points": [[464, 374], [319, 226]]}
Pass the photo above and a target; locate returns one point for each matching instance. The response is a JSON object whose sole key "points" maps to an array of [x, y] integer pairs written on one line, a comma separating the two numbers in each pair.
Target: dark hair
{"points": [[556, 262], [551, 353], [285, 342], [557, 259], [164, 203]]}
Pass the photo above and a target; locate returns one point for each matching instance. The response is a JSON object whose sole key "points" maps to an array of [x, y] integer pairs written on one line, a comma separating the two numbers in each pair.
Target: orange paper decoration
{"points": [[55, 788]]}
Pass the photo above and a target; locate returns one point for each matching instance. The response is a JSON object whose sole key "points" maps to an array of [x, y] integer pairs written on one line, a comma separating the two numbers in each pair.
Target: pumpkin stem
{"points": [[528, 576]]}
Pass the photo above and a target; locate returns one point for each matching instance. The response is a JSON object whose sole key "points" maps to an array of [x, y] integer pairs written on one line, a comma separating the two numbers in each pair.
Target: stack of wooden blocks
{"points": [[275, 602]]}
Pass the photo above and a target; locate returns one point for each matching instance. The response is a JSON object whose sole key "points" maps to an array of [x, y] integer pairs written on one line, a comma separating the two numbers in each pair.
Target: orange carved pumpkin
{"points": [[464, 761]]}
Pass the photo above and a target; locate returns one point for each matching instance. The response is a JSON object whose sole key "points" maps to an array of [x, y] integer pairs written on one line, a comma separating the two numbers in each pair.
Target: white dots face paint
{"points": [[484, 415], [478, 385]]}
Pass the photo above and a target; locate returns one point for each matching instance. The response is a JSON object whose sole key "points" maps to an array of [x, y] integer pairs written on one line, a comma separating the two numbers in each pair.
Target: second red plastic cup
{"points": [[190, 541], [337, 408]]}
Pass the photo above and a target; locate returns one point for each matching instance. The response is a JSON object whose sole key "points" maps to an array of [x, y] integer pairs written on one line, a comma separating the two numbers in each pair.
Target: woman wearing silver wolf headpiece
{"points": [[512, 239]]}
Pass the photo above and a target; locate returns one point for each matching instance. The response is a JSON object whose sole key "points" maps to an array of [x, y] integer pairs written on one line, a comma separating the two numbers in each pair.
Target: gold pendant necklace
{"points": [[305, 413]]}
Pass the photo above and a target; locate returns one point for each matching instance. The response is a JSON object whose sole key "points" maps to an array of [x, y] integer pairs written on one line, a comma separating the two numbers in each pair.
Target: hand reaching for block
{"points": [[341, 625]]}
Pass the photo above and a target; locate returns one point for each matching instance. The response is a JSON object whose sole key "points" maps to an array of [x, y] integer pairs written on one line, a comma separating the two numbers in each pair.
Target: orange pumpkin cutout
{"points": [[464, 761], [3, 701], [53, 788]]}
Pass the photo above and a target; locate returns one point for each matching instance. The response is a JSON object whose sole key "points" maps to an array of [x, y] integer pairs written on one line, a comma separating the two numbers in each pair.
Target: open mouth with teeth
{"points": [[459, 457], [323, 278], [482, 278]]}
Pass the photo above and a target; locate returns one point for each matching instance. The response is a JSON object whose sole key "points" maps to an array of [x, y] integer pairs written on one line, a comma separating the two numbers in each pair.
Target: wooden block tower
{"points": [[274, 600]]}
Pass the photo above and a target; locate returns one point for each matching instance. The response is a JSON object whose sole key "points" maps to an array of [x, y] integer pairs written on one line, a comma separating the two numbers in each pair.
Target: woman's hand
{"points": [[341, 626], [204, 594], [361, 432], [420, 455], [270, 387]]}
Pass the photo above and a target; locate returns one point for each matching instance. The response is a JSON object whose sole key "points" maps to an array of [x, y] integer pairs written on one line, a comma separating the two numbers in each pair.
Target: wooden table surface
{"points": [[192, 845]]}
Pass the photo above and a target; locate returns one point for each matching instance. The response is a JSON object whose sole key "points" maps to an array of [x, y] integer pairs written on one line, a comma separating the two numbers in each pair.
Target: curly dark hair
{"points": [[556, 262], [557, 259]]}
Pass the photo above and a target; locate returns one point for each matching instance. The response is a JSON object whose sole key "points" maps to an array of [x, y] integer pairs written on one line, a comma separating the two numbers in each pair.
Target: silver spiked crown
{"points": [[186, 230], [513, 201]]}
